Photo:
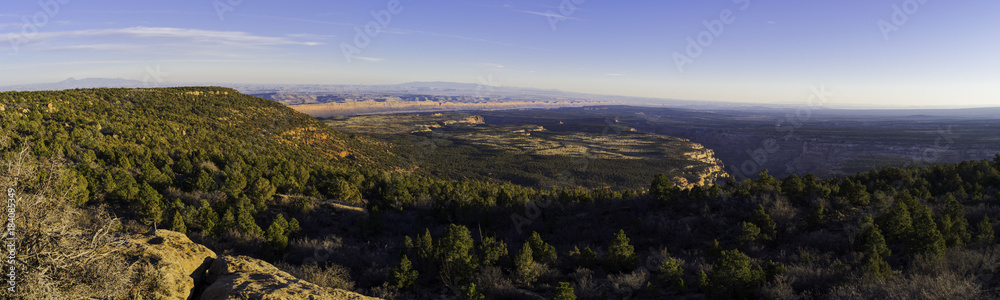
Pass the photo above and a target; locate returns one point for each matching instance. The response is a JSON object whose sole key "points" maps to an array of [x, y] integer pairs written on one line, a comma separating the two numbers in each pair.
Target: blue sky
{"points": [[946, 53]]}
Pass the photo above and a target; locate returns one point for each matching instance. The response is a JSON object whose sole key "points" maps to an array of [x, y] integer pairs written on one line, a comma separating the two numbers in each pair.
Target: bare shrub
{"points": [[913, 287], [779, 288], [491, 280], [208, 165], [305, 249], [64, 252], [385, 291], [807, 278], [332, 276], [146, 280], [782, 211], [585, 285], [233, 241], [627, 284]]}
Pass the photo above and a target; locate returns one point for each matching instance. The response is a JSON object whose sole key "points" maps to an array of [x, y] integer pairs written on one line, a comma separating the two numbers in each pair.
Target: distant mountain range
{"points": [[457, 89], [73, 83], [437, 88], [249, 88]]}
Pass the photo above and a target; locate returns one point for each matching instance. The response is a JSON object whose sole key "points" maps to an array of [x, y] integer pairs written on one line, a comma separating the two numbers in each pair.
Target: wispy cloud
{"points": [[311, 36], [491, 65], [614, 74], [97, 47], [548, 15], [371, 59], [301, 20], [160, 39], [4, 26], [191, 35]]}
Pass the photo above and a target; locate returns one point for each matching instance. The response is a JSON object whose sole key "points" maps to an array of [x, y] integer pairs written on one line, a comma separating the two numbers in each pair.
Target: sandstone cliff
{"points": [[712, 170]]}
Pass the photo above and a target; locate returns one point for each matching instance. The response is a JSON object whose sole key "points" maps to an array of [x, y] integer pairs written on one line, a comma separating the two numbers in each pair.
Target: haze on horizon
{"points": [[904, 53]]}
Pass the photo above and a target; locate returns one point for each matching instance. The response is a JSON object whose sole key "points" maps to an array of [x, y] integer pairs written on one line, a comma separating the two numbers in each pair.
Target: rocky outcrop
{"points": [[187, 270], [708, 174], [472, 120], [241, 277], [179, 262]]}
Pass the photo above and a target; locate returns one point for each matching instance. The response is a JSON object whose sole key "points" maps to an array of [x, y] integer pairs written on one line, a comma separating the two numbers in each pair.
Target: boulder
{"points": [[180, 263], [242, 277]]}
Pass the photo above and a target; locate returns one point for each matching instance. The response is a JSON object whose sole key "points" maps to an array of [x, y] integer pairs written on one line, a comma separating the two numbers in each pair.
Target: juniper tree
{"points": [[768, 228], [150, 203], [817, 216], [954, 226], [897, 222], [203, 181], [524, 265], [260, 191], [876, 267], [470, 293], [228, 221], [793, 187], [925, 237], [456, 255], [855, 192], [621, 254], [749, 233], [662, 188], [178, 223], [404, 277], [735, 276], [701, 280], [870, 240], [425, 246], [235, 181], [293, 227], [583, 258], [986, 235], [245, 222], [127, 188], [492, 249], [276, 235], [542, 251], [671, 273], [564, 292]]}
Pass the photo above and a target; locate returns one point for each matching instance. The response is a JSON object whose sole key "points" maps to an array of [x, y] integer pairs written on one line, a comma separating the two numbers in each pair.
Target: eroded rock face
{"points": [[241, 277], [180, 263]]}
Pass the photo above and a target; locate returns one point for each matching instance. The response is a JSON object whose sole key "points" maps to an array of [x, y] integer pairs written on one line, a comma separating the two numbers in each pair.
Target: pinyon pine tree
{"points": [[621, 254], [524, 265]]}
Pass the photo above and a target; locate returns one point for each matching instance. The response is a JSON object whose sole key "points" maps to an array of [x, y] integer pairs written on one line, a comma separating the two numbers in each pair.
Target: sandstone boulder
{"points": [[180, 263]]}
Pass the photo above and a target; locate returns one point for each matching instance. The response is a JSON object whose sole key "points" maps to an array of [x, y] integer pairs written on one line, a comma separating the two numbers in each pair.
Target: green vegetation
{"points": [[404, 277], [734, 276], [525, 266], [247, 176], [671, 274], [595, 154], [564, 292], [621, 254]]}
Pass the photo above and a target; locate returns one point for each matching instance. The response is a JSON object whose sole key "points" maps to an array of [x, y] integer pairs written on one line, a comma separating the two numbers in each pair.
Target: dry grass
{"points": [[64, 252]]}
